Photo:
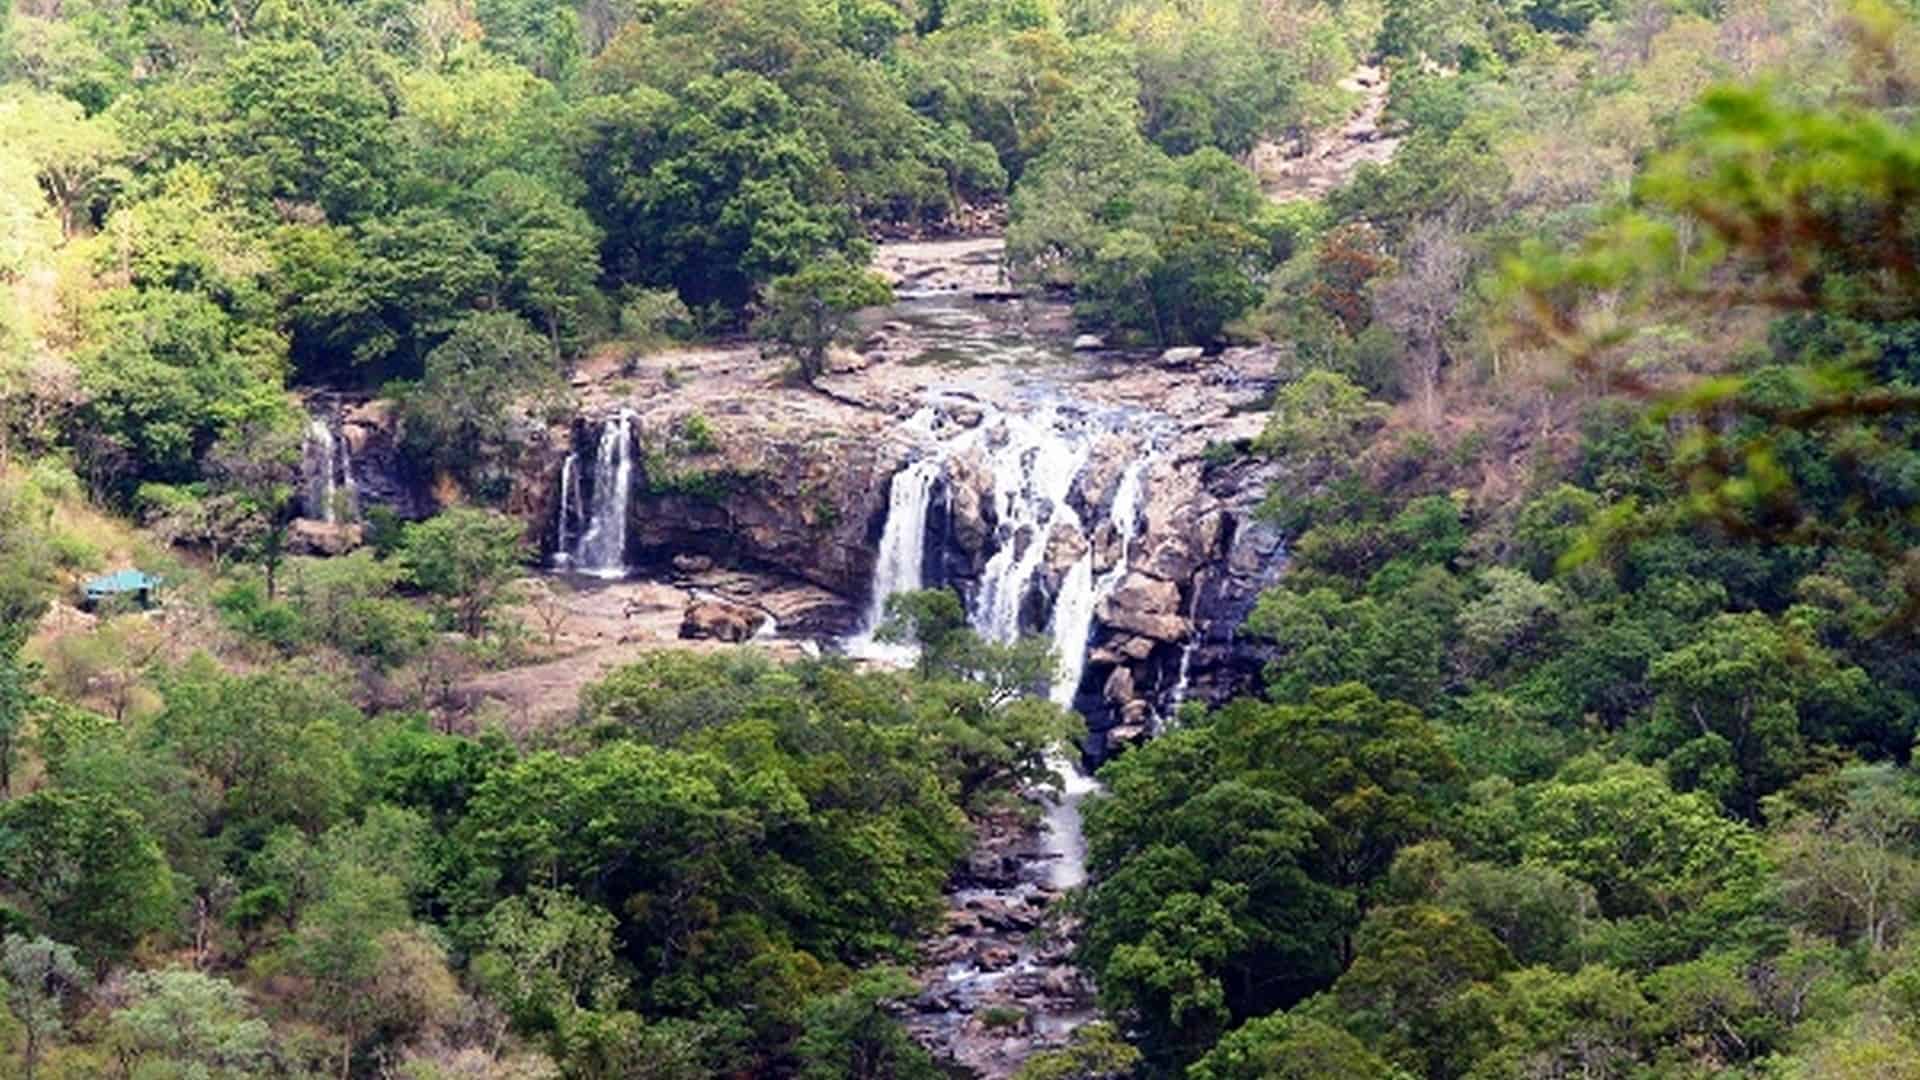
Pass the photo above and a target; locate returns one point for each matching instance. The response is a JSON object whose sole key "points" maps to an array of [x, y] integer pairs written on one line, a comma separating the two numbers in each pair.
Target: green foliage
{"points": [[186, 1023], [41, 976], [1096, 1052], [1229, 853], [712, 193], [851, 1035], [87, 869], [547, 955], [460, 416], [467, 559], [807, 312], [1286, 1046], [1169, 249]]}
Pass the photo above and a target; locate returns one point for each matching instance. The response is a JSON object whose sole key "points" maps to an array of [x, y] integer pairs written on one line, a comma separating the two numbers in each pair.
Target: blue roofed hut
{"points": [[134, 585]]}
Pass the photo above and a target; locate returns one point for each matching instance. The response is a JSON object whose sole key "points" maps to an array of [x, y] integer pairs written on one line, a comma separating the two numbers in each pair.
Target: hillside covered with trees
{"points": [[1581, 739]]}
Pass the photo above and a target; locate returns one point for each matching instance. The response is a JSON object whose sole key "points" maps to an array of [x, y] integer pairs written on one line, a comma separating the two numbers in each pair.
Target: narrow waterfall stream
{"points": [[601, 550], [326, 467]]}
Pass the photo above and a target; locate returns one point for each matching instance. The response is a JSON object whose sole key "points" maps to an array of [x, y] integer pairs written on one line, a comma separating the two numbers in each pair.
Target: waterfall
{"points": [[901, 565], [1033, 472], [317, 463], [1081, 595], [602, 548], [562, 553], [326, 465]]}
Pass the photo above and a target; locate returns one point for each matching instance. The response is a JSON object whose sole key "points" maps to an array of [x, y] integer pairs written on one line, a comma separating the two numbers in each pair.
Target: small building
{"points": [[132, 585]]}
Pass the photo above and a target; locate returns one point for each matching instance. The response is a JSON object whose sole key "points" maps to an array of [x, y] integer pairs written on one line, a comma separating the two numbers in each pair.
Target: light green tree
{"points": [[466, 558], [807, 312], [40, 977]]}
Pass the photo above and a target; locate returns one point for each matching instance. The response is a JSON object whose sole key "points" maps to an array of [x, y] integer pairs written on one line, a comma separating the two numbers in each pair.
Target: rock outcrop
{"points": [[382, 472]]}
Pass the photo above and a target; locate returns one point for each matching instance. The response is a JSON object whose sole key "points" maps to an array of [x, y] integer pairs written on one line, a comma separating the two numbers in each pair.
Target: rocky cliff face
{"points": [[736, 469]]}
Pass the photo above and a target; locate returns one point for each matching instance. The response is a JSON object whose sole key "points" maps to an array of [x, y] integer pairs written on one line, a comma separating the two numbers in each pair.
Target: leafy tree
{"points": [[1291, 1046], [1846, 869], [1594, 1022], [1323, 640], [254, 469], [1165, 248], [1096, 1052], [271, 747], [1668, 868], [40, 976], [809, 311], [712, 191], [188, 1023], [850, 1034], [308, 130], [547, 250], [460, 414], [18, 675], [70, 154], [167, 374], [1319, 422], [1416, 984], [89, 870], [548, 955], [467, 559], [1728, 718], [935, 623]]}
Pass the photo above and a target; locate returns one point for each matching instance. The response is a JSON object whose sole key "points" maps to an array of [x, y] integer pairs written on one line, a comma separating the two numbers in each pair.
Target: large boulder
{"points": [[1066, 546], [711, 620], [323, 538]]}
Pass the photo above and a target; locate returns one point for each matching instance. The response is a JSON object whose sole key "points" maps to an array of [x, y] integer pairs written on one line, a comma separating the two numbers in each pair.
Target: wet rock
{"points": [[1000, 914], [996, 957], [970, 490], [692, 564], [1171, 629], [710, 620], [383, 476], [991, 870], [1061, 983], [1107, 546], [1066, 545], [932, 1002]]}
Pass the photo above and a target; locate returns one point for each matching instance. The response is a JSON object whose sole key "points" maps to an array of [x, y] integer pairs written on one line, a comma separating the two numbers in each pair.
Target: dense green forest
{"points": [[1583, 747]]}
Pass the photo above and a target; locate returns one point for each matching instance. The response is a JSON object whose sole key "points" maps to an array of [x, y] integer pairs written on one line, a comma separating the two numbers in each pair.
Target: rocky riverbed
{"points": [[1000, 984]]}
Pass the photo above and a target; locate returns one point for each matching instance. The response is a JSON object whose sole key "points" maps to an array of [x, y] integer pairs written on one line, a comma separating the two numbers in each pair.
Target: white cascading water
{"points": [[1081, 594], [563, 554], [1033, 472], [327, 464], [901, 565], [1034, 464], [602, 549]]}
